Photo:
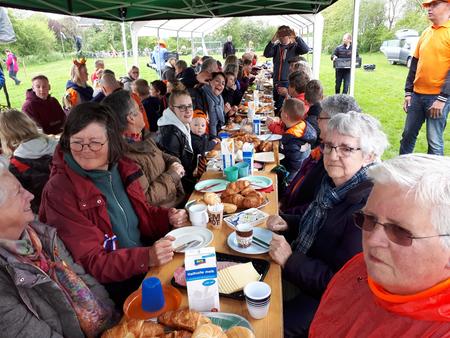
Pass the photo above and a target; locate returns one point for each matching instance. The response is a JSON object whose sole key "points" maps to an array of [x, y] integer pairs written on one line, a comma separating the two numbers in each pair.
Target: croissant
{"points": [[253, 200], [134, 328], [240, 332], [183, 319], [247, 191], [236, 199], [209, 331], [179, 334]]}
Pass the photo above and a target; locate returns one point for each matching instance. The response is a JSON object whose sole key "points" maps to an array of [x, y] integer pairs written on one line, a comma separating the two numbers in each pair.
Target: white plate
{"points": [[258, 182], [211, 185], [266, 157], [272, 137], [264, 234], [191, 233], [234, 127]]}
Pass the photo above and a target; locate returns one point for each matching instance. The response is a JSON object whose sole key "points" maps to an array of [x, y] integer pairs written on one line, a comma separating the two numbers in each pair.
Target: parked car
{"points": [[401, 49]]}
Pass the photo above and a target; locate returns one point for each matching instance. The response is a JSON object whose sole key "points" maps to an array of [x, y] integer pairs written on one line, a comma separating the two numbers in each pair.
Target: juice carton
{"points": [[201, 279], [227, 152]]}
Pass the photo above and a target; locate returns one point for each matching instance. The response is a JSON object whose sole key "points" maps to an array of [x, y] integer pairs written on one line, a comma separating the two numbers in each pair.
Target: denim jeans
{"points": [[417, 115], [12, 75]]}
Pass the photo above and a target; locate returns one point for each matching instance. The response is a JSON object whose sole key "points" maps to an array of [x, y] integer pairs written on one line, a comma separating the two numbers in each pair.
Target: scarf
{"points": [[215, 107], [132, 137], [432, 304], [92, 314], [316, 213]]}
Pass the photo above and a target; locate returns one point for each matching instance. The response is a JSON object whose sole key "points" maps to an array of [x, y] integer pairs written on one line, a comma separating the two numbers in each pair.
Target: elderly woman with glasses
{"points": [[175, 134], [300, 192], [43, 292], [400, 284], [95, 200], [322, 239]]}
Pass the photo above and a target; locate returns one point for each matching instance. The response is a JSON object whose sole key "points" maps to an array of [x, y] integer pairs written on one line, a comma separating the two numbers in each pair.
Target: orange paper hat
{"points": [[80, 62], [199, 113]]}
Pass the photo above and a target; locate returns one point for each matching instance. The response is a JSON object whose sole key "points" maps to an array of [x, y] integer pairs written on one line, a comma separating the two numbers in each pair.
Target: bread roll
{"points": [[179, 334], [211, 198], [209, 331], [240, 332], [229, 208]]}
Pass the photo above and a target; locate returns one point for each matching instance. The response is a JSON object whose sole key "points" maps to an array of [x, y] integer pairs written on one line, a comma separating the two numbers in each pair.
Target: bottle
{"points": [[257, 125]]}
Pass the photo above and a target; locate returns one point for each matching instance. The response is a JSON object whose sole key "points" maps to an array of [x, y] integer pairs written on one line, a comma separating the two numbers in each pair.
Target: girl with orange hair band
{"points": [[77, 89]]}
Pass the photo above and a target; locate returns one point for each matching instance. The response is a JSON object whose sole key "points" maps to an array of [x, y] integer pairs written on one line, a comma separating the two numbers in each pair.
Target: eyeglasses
{"points": [[341, 151], [394, 232], [184, 108], [324, 118], [93, 146]]}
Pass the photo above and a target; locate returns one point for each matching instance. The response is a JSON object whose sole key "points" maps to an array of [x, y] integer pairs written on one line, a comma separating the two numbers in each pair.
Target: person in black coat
{"points": [[320, 241], [228, 48], [343, 74], [174, 134]]}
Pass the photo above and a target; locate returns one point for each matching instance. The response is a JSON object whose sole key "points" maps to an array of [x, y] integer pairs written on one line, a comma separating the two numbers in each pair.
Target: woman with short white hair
{"points": [[43, 291], [323, 238], [400, 284]]}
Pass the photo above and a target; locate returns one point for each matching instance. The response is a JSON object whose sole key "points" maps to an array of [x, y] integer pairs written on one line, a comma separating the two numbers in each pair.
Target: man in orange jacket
{"points": [[400, 285], [427, 87]]}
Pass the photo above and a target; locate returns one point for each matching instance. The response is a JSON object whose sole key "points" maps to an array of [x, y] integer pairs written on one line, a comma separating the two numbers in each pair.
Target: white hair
{"points": [[372, 139], [425, 176], [3, 191]]}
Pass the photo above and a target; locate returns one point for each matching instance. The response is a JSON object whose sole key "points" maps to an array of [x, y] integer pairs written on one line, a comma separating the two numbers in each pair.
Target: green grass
{"points": [[379, 93]]}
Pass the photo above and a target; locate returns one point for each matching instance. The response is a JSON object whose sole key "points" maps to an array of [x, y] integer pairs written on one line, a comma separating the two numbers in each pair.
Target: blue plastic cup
{"points": [[243, 168], [152, 295]]}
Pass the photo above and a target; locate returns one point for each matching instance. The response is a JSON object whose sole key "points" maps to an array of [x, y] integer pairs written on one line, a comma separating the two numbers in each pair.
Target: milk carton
{"points": [[227, 152], [257, 125], [201, 279], [251, 111], [248, 156]]}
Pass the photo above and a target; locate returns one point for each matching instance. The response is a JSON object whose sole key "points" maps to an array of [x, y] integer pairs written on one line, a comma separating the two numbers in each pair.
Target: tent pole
{"points": [[317, 42], [124, 42], [205, 51], [192, 44], [356, 5], [134, 44], [178, 31]]}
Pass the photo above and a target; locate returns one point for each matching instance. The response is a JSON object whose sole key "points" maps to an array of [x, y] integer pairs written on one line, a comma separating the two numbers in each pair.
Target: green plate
{"points": [[228, 320], [258, 182], [212, 185]]}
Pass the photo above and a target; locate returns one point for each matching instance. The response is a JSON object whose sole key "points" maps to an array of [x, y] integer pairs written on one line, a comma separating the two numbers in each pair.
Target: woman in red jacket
{"points": [[95, 200]]}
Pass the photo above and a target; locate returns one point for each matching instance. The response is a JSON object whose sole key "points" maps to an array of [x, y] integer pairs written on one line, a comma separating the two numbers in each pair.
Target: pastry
{"points": [[183, 319], [240, 332], [209, 331], [211, 198], [229, 208], [134, 328], [179, 334], [212, 154]]}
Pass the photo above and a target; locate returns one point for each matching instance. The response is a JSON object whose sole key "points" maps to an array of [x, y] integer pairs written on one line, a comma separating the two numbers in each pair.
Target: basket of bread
{"points": [[237, 195], [178, 324], [259, 146]]}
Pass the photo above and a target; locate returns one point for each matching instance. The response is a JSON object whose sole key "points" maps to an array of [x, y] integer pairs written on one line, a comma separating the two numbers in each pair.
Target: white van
{"points": [[401, 49]]}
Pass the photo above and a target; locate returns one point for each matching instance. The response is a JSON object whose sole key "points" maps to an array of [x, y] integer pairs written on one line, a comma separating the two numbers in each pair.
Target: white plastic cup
{"points": [[257, 298]]}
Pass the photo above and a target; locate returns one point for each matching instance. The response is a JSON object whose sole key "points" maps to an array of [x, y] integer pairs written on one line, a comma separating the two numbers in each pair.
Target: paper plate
{"points": [[272, 137], [212, 185], [233, 127], [132, 308], [191, 233], [261, 233], [258, 182], [266, 157]]}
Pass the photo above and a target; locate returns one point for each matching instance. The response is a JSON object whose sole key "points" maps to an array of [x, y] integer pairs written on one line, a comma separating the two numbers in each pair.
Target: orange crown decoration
{"points": [[80, 62]]}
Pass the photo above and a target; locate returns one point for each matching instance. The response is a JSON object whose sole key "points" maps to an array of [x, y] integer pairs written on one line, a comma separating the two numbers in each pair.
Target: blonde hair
{"points": [[15, 128], [75, 74]]}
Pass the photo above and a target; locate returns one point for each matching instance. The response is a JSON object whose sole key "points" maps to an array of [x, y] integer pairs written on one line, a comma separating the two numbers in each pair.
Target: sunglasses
{"points": [[394, 232]]}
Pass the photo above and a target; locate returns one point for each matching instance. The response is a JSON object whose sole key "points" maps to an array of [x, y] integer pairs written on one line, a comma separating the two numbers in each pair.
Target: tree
{"points": [[414, 17], [33, 35], [393, 8]]}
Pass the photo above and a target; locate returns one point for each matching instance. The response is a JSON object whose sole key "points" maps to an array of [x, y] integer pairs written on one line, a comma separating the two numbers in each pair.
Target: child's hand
{"points": [[234, 108], [216, 140], [227, 107]]}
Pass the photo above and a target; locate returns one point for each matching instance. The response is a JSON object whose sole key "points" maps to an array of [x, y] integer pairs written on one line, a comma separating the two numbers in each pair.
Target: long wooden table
{"points": [[272, 325]]}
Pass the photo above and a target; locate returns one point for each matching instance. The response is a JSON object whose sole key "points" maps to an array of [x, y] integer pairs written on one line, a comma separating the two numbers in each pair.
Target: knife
{"points": [[205, 189], [186, 245], [260, 242]]}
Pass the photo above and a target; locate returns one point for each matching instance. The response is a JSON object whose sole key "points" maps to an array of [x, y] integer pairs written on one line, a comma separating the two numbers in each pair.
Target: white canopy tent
{"points": [[310, 26]]}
